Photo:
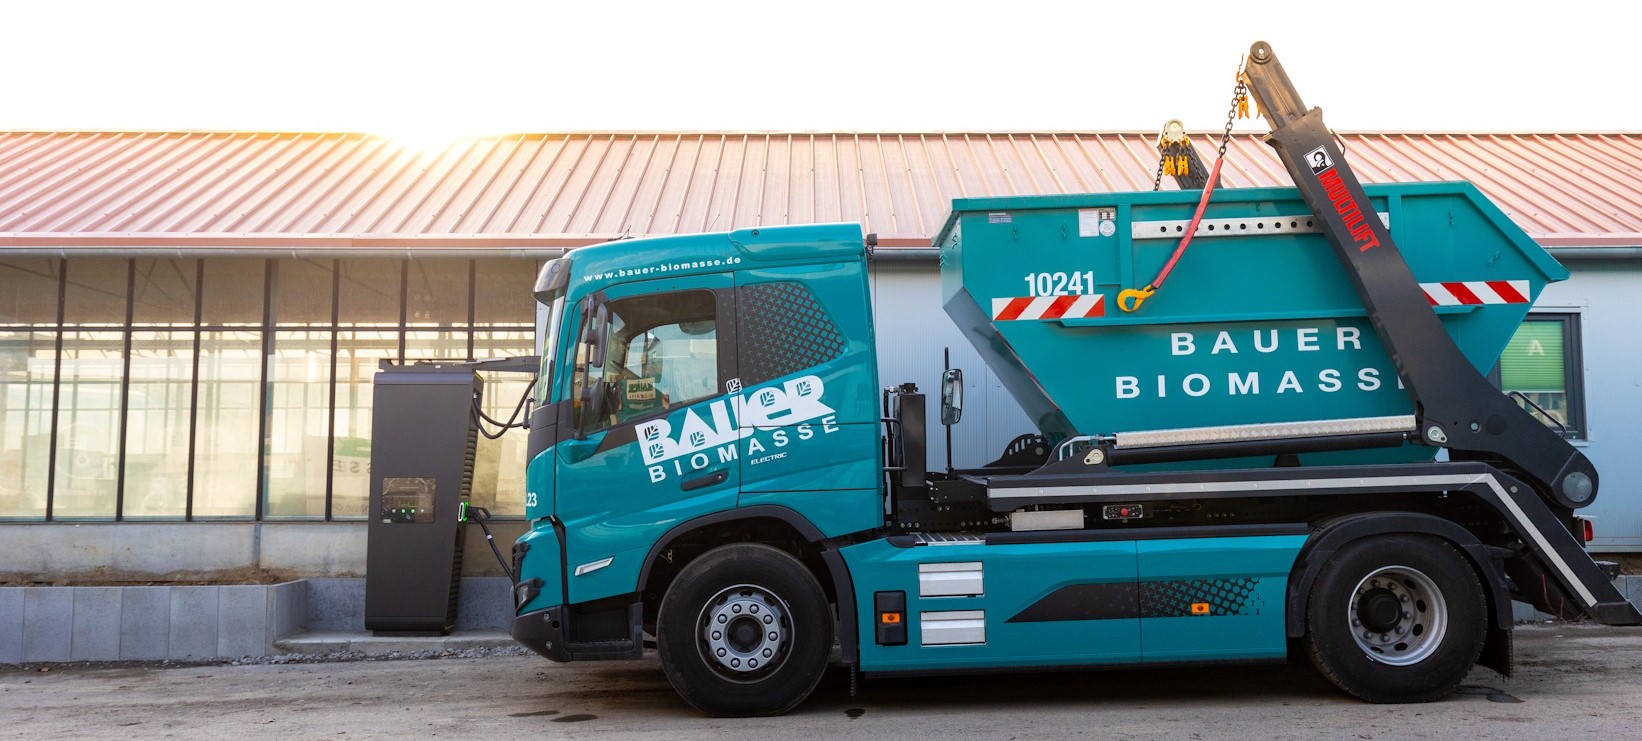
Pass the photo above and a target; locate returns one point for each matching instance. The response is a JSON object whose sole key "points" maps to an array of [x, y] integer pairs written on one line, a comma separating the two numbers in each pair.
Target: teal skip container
{"points": [[1258, 323]]}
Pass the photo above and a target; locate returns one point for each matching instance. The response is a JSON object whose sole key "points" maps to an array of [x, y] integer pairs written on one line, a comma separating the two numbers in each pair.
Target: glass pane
{"points": [[233, 290], [1534, 363], [502, 292], [28, 291], [369, 293], [1533, 360], [157, 421], [358, 356], [437, 293], [164, 292], [444, 345], [96, 291], [499, 465], [88, 425], [300, 376], [302, 294], [26, 368], [225, 445], [661, 352]]}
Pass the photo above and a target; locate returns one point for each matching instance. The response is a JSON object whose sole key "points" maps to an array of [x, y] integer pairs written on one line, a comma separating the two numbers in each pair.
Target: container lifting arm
{"points": [[1457, 407]]}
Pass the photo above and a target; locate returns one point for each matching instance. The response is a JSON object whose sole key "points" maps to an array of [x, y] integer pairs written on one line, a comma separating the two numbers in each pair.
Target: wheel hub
{"points": [[1398, 616], [744, 630], [1379, 610]]}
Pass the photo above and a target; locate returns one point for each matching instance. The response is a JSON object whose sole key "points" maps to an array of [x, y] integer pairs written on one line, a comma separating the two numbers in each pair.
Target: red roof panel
{"points": [[200, 188]]}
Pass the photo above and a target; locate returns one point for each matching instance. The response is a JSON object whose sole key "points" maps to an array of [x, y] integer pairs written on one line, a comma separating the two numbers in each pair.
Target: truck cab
{"points": [[700, 386]]}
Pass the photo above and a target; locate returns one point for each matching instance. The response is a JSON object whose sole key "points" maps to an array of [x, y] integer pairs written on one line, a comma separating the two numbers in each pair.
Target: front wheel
{"points": [[1396, 618], [744, 630]]}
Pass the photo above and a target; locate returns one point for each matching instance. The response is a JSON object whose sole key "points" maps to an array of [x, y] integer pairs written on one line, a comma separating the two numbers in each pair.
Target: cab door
{"points": [[654, 435], [810, 394]]}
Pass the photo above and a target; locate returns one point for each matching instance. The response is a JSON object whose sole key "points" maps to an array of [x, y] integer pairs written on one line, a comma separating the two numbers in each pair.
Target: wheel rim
{"points": [[745, 630], [1398, 616]]}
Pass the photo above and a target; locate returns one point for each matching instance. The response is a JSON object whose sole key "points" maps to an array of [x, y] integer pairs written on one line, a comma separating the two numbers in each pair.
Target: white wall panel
{"points": [[1606, 296], [912, 331]]}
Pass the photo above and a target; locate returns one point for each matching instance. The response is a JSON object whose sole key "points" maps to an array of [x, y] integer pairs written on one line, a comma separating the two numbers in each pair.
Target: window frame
{"points": [[1573, 370]]}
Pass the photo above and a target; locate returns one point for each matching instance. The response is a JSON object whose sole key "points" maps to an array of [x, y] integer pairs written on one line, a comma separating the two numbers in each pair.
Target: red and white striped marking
{"points": [[1048, 307], [1476, 292]]}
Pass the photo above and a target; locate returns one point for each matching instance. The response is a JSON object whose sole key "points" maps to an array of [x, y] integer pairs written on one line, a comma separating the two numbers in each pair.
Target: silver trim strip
{"points": [[1321, 484], [1240, 226], [1265, 431], [963, 579], [592, 566], [952, 628]]}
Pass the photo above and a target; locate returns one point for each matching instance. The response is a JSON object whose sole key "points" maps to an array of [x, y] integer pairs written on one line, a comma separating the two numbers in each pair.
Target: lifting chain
{"points": [[1162, 159], [1173, 136], [1239, 108], [1172, 150]]}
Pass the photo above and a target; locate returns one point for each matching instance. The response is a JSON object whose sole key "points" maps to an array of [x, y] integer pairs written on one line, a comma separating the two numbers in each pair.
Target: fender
{"points": [[1335, 534], [843, 585]]}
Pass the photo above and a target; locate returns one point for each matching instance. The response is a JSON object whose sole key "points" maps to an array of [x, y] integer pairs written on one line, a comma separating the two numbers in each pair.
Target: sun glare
{"points": [[425, 141]]}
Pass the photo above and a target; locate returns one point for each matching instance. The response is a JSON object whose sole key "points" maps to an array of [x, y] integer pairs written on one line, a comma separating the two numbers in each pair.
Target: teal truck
{"points": [[1294, 445]]}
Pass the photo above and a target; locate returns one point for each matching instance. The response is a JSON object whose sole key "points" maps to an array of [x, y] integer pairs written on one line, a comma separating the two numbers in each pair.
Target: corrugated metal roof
{"points": [[353, 190]]}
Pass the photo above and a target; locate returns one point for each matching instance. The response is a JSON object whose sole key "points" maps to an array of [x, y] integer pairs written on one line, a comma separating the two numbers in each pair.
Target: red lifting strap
{"points": [[1130, 299]]}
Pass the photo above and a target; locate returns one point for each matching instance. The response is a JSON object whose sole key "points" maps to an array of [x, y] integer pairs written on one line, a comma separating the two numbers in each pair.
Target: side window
{"points": [[661, 352], [1542, 363]]}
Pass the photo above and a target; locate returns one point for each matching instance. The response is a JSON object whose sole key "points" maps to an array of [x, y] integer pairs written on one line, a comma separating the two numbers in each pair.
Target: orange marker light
{"points": [[1200, 608], [889, 618]]}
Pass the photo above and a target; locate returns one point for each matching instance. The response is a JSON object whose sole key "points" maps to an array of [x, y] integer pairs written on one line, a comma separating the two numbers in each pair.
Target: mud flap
{"points": [[1497, 650]]}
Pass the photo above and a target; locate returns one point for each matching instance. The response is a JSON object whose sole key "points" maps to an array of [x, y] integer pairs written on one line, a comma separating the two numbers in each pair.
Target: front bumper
{"points": [[542, 631], [614, 633]]}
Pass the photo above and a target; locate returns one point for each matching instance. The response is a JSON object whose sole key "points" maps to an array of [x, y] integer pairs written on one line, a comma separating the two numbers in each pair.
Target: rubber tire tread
{"points": [[1337, 656], [811, 642]]}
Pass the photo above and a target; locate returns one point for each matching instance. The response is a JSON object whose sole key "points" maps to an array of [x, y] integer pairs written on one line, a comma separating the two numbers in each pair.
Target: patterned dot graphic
{"points": [[783, 330]]}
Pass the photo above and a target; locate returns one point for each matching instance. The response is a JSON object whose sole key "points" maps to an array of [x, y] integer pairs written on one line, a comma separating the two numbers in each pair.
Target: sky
{"points": [[430, 73]]}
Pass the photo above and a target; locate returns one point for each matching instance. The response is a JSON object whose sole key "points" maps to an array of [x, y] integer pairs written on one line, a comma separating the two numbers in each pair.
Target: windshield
{"points": [[551, 283], [550, 344]]}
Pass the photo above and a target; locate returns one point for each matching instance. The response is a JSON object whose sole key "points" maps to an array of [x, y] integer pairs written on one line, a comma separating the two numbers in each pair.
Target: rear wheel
{"points": [[1396, 618], [744, 630]]}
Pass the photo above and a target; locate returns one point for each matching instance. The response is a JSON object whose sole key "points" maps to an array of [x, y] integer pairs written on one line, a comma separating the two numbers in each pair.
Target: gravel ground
{"points": [[1571, 680]]}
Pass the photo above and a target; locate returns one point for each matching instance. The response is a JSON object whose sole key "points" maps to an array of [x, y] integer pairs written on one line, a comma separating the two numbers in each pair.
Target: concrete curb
{"points": [[191, 623], [143, 623], [324, 643]]}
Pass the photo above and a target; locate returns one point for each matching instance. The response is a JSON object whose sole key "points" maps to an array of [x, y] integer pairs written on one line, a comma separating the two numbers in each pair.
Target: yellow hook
{"points": [[1129, 299]]}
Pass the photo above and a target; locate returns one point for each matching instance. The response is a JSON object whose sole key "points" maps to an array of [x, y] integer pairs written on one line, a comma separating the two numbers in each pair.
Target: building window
{"points": [[225, 424], [28, 375], [1541, 364], [235, 387]]}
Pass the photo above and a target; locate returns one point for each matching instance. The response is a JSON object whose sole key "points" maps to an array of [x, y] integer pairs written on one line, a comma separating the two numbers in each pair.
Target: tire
{"points": [[716, 626], [1375, 587]]}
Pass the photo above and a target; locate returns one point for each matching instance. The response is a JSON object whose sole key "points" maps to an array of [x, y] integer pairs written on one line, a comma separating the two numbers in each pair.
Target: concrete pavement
{"points": [[1571, 680]]}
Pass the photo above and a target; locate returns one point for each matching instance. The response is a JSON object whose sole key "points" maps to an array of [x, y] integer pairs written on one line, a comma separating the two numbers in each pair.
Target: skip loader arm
{"points": [[1456, 407]]}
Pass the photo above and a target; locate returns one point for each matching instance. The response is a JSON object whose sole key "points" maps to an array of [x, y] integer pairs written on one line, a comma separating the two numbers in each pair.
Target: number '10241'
{"points": [[1060, 284]]}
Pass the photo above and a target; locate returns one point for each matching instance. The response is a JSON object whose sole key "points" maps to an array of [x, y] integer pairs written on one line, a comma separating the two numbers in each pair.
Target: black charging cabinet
{"points": [[423, 440]]}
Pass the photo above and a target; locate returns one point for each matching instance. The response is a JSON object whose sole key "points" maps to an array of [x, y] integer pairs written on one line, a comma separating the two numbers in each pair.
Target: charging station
{"points": [[424, 437]]}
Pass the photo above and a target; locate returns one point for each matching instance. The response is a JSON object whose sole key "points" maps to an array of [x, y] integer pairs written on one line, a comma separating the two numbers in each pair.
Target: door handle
{"points": [[716, 477]]}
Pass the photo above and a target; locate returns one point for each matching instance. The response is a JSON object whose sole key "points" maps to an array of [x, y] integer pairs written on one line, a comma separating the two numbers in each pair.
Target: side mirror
{"points": [[596, 331], [591, 409], [952, 396]]}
